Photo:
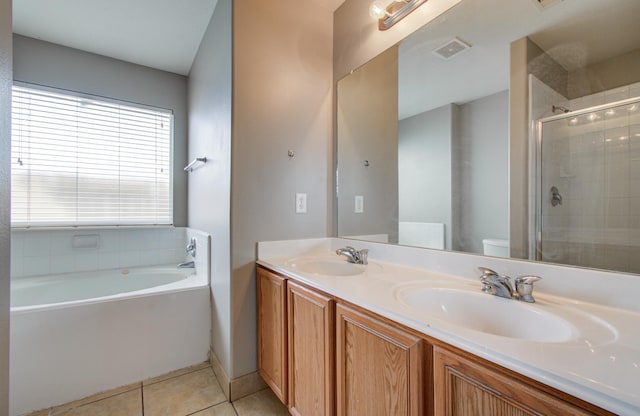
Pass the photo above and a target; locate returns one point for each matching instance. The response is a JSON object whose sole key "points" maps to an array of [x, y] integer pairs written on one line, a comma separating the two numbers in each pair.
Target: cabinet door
{"points": [[272, 331], [464, 387], [311, 352], [379, 367]]}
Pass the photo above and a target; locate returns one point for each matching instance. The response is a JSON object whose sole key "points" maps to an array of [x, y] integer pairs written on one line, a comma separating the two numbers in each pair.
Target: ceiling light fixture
{"points": [[390, 14]]}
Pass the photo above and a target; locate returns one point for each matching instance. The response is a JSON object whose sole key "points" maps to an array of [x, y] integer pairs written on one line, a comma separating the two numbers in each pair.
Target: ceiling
{"points": [[162, 34], [574, 32]]}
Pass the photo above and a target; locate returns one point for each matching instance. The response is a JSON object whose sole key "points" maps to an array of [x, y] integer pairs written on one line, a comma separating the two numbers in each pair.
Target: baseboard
{"points": [[246, 385], [238, 387], [222, 376]]}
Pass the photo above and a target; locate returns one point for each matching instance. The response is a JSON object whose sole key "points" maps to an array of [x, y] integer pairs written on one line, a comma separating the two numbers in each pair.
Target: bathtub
{"points": [[74, 335]]}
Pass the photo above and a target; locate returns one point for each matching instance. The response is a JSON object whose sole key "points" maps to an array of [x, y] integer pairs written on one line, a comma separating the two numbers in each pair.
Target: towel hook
{"points": [[190, 166]]}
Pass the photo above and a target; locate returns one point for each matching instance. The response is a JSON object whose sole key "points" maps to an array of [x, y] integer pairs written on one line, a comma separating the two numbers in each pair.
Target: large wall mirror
{"points": [[503, 127]]}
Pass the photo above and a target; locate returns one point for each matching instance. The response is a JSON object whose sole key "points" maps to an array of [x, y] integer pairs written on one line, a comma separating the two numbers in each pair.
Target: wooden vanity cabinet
{"points": [[322, 356], [311, 352], [296, 344], [380, 368], [271, 290], [464, 386]]}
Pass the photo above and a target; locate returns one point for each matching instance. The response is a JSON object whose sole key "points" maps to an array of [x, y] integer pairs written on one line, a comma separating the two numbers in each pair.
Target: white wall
{"points": [[5, 241], [57, 66], [209, 88], [282, 99], [424, 166]]}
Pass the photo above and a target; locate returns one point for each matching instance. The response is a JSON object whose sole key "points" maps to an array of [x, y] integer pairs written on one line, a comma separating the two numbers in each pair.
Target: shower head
{"points": [[558, 108]]}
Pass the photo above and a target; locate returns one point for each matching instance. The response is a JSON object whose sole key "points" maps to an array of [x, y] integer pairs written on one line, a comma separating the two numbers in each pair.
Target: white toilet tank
{"points": [[496, 247]]}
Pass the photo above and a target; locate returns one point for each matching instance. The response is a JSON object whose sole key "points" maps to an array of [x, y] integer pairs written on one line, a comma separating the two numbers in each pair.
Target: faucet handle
{"points": [[363, 255], [524, 287], [486, 272], [191, 247]]}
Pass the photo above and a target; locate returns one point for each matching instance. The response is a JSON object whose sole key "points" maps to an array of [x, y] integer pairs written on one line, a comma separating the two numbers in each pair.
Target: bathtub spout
{"points": [[187, 265]]}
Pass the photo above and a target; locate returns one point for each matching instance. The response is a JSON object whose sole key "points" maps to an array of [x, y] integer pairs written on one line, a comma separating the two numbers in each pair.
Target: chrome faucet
{"points": [[500, 285], [191, 250], [353, 255]]}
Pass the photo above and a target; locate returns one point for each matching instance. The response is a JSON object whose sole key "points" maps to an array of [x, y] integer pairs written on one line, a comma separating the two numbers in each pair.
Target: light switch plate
{"points": [[359, 208], [301, 203]]}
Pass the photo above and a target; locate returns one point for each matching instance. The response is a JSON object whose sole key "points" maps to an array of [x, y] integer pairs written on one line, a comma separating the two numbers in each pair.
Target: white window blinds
{"points": [[78, 160]]}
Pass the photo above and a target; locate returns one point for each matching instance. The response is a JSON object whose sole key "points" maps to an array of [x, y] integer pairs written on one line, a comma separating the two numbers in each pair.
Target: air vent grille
{"points": [[452, 48]]}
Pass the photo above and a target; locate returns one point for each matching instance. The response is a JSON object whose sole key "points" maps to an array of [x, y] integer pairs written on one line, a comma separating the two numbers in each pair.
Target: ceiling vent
{"points": [[543, 4], [452, 48]]}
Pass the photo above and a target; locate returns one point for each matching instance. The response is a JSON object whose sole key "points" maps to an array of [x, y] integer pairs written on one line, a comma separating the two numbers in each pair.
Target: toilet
{"points": [[496, 247]]}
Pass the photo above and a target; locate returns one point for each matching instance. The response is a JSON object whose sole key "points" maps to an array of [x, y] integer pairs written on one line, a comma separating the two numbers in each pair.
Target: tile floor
{"points": [[190, 391]]}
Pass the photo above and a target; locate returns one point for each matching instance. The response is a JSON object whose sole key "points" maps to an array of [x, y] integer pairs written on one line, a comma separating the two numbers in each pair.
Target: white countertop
{"points": [[601, 364]]}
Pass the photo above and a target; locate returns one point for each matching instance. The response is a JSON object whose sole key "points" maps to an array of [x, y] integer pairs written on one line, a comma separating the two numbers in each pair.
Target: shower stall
{"points": [[587, 186]]}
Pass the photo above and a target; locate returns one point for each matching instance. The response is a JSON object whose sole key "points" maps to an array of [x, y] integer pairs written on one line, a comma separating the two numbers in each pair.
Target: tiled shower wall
{"points": [[43, 252], [594, 161]]}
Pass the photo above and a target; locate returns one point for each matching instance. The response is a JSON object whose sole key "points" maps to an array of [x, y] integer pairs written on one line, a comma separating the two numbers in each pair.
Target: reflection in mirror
{"points": [[445, 120]]}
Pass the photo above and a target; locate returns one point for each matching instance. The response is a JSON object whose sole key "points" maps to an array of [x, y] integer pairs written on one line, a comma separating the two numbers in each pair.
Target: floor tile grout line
{"points": [[142, 398], [212, 406], [176, 376]]}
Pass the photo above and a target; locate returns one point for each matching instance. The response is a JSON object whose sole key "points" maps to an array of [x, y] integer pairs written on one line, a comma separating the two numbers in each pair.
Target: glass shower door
{"points": [[588, 187]]}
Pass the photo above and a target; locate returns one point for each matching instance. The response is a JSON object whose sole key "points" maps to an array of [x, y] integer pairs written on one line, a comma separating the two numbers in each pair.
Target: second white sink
{"points": [[489, 314]]}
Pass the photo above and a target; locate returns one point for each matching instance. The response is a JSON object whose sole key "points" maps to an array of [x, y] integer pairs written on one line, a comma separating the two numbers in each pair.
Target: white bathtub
{"points": [[74, 335]]}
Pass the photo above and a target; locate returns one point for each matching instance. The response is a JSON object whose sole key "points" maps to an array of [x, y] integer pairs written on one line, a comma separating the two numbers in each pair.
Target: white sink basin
{"points": [[328, 267], [489, 314]]}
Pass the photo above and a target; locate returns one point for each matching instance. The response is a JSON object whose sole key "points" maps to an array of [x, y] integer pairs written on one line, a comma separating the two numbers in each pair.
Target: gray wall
{"points": [[471, 142], [367, 124], [5, 237], [210, 185], [483, 197], [282, 99], [57, 66], [424, 158]]}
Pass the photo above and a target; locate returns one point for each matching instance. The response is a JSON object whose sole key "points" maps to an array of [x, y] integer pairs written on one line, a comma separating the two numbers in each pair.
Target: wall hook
{"points": [[366, 163], [556, 198], [291, 153]]}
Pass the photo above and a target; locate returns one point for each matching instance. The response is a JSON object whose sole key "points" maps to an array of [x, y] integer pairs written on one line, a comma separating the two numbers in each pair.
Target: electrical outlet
{"points": [[301, 203], [359, 208]]}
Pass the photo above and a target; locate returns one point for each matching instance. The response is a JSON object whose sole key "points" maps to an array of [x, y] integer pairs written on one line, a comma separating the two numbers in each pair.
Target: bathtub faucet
{"points": [[187, 265]]}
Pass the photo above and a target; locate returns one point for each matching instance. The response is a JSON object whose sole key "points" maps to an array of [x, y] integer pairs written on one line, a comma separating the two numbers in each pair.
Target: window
{"points": [[80, 160]]}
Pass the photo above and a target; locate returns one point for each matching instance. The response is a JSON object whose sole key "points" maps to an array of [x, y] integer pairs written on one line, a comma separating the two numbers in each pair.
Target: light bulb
{"points": [[377, 10]]}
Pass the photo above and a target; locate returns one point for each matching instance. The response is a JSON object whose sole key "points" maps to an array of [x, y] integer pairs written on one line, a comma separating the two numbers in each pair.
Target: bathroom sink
{"points": [[325, 266], [488, 314]]}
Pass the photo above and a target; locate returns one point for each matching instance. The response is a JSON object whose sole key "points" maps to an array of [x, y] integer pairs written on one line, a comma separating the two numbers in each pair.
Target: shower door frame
{"points": [[535, 173]]}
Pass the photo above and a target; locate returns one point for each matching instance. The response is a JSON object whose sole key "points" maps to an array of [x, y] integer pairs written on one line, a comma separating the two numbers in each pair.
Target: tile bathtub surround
{"points": [[42, 252], [189, 391]]}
